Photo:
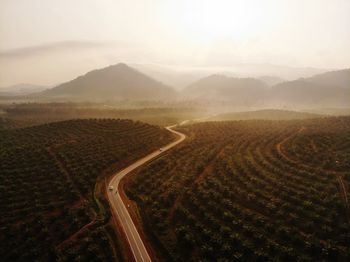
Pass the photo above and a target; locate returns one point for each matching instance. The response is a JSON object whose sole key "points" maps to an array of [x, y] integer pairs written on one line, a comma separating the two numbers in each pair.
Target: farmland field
{"points": [[29, 114], [251, 191], [49, 208]]}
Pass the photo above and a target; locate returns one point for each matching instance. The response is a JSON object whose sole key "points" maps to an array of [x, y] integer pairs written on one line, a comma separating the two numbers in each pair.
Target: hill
{"points": [[307, 93], [340, 78], [324, 90], [220, 87], [267, 114], [116, 82], [327, 89]]}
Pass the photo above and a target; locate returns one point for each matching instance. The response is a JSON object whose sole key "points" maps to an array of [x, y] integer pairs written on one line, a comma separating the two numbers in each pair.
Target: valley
{"points": [[117, 166], [174, 131]]}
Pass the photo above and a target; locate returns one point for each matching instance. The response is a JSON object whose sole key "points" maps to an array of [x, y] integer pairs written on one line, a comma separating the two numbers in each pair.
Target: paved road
{"points": [[120, 210]]}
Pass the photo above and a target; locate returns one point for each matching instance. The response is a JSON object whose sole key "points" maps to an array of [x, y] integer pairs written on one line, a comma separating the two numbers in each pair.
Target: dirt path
{"points": [[342, 188], [314, 147], [344, 195], [76, 235], [280, 149], [65, 172], [209, 168]]}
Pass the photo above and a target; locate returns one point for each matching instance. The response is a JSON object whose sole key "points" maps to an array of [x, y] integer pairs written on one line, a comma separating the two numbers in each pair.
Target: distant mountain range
{"points": [[181, 76], [305, 92], [21, 89], [223, 88], [116, 82], [121, 82], [328, 89], [267, 114], [340, 78]]}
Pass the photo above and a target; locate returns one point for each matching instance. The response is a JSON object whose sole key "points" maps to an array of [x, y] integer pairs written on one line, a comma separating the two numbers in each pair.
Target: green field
{"points": [[49, 207], [250, 191]]}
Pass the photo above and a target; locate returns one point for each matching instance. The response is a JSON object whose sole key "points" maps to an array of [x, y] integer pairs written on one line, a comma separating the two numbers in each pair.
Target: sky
{"points": [[48, 42]]}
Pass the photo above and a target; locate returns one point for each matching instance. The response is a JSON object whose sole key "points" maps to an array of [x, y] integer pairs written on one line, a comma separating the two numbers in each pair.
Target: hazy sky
{"points": [[47, 42]]}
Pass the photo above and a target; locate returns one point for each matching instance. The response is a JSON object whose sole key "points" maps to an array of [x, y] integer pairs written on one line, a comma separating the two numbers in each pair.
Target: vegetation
{"points": [[39, 113], [48, 206], [251, 191], [6, 123], [266, 114]]}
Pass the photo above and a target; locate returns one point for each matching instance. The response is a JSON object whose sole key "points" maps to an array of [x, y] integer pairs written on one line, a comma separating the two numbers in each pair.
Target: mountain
{"points": [[340, 78], [21, 89], [266, 114], [321, 90], [306, 93], [178, 78], [271, 80], [116, 82], [220, 87], [330, 89]]}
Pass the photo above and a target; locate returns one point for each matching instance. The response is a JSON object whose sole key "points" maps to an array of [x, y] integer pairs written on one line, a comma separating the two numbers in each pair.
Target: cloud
{"points": [[48, 48]]}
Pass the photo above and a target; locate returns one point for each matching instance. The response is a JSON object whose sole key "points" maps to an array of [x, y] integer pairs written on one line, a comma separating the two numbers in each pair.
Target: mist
{"points": [[174, 130], [287, 39]]}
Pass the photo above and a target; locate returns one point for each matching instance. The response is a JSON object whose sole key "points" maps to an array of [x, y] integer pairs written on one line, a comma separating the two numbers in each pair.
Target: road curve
{"points": [[119, 209]]}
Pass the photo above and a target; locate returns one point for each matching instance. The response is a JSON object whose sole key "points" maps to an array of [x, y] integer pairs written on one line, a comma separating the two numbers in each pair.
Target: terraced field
{"points": [[250, 191], [49, 205]]}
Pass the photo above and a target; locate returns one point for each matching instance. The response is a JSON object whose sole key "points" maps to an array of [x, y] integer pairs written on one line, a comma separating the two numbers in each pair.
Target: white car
{"points": [[161, 149], [110, 188]]}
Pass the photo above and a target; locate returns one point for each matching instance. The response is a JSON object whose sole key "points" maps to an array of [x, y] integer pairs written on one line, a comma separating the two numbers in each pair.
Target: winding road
{"points": [[120, 210]]}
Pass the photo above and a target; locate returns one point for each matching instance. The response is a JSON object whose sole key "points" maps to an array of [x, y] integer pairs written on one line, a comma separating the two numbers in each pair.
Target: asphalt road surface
{"points": [[120, 210]]}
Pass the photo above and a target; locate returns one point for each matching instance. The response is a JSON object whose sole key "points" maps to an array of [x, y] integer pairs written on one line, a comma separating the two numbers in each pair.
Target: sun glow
{"points": [[208, 19]]}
